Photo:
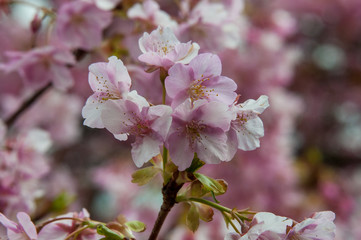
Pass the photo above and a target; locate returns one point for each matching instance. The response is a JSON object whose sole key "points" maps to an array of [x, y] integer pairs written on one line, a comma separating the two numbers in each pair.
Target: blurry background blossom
{"points": [[305, 55]]}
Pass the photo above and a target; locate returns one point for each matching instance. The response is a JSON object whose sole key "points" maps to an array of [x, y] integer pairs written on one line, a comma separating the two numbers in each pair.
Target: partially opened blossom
{"points": [[149, 125], [24, 230], [201, 79], [161, 48], [319, 227], [247, 128], [150, 12], [108, 81], [42, 65], [80, 24], [200, 129], [59, 230]]}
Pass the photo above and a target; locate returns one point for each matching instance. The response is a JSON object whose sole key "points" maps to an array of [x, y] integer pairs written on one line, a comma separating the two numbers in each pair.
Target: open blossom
{"points": [[161, 48], [319, 227], [199, 129], [42, 65], [24, 230], [213, 24], [79, 24], [108, 81], [200, 80], [59, 230], [149, 125], [247, 128], [264, 225], [150, 12]]}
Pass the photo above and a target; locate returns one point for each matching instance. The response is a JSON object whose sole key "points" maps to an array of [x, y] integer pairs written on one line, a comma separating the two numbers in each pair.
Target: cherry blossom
{"points": [[59, 230], [214, 24], [42, 65], [265, 225], [161, 48], [24, 230], [319, 227], [149, 125], [150, 12], [199, 129], [200, 80], [79, 24], [247, 128], [108, 81]]}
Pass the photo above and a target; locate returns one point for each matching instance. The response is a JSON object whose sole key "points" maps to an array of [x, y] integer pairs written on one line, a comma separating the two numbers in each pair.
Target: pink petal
{"points": [[27, 225], [206, 65], [143, 149], [180, 151]]}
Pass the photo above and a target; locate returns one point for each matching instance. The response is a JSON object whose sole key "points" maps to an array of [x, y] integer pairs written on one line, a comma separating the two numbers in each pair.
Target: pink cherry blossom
{"points": [[200, 80], [42, 65], [199, 129], [214, 25], [59, 230], [108, 81], [22, 164], [319, 227], [149, 125], [264, 225], [24, 230], [150, 12], [161, 48], [79, 24], [247, 128]]}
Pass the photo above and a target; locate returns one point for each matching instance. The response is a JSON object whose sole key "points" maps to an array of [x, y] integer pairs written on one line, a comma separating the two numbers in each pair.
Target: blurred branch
{"points": [[11, 120]]}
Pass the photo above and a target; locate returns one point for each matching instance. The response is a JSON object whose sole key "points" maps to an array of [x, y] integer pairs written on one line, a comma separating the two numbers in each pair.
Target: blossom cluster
{"points": [[171, 97], [266, 225], [203, 118]]}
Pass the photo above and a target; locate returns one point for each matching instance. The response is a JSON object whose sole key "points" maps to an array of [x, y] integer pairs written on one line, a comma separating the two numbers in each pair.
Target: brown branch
{"points": [[11, 120], [169, 192]]}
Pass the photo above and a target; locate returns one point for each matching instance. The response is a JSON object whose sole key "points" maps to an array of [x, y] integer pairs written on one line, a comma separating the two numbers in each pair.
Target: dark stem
{"points": [[10, 121], [169, 192]]}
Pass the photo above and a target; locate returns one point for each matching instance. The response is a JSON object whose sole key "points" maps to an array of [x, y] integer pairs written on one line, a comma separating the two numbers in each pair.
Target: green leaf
{"points": [[109, 234], [195, 165], [216, 186], [192, 220], [145, 175], [136, 226]]}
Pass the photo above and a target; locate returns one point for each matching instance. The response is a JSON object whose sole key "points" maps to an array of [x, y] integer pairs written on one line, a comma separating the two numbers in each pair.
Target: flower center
{"points": [[138, 126], [198, 91], [105, 91], [193, 131], [163, 48]]}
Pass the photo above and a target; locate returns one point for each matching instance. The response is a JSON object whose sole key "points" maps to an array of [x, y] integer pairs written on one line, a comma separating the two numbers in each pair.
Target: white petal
{"points": [[143, 149]]}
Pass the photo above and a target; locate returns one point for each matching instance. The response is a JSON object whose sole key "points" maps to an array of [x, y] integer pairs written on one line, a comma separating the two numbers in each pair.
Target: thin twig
{"points": [[11, 120]]}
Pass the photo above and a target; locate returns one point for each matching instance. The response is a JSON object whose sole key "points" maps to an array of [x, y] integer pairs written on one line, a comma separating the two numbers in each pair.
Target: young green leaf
{"points": [[211, 184], [145, 175], [136, 226], [109, 234]]}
